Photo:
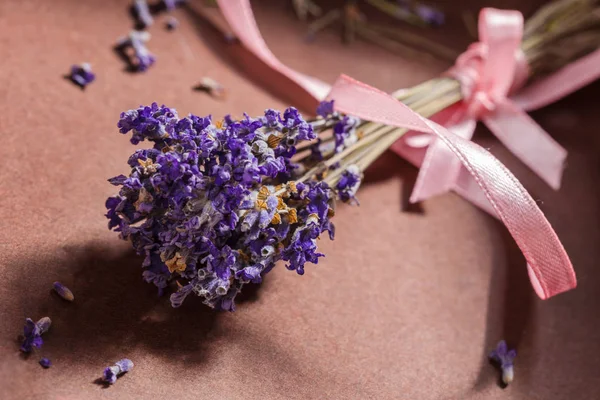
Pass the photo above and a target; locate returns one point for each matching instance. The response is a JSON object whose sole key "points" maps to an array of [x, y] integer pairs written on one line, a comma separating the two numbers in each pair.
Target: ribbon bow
{"points": [[488, 71]]}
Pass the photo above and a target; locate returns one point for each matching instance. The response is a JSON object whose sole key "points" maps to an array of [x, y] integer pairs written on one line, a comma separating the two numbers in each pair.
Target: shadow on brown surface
{"points": [[114, 309], [246, 63]]}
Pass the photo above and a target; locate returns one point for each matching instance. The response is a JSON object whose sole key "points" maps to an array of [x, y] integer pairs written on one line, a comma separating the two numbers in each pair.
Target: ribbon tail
{"points": [[238, 14], [550, 268], [560, 84], [529, 142], [440, 168]]}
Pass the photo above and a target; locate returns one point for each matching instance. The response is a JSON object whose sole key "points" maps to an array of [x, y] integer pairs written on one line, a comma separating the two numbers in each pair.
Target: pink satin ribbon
{"points": [[484, 180], [238, 14], [487, 72], [550, 270]]}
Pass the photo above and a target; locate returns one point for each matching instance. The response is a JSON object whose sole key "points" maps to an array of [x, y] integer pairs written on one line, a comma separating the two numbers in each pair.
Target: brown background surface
{"points": [[406, 305]]}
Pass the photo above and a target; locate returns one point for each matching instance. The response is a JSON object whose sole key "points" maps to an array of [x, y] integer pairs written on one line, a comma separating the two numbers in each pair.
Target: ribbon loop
{"points": [[488, 71]]}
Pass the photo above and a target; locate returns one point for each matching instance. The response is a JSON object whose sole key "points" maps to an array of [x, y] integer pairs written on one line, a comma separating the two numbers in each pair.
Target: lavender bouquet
{"points": [[214, 205]]}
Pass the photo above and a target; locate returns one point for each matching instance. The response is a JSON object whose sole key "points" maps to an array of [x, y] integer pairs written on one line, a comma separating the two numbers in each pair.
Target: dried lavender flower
{"points": [[45, 362], [82, 74], [32, 333], [142, 12], [63, 291], [172, 23], [214, 205], [505, 358], [111, 373]]}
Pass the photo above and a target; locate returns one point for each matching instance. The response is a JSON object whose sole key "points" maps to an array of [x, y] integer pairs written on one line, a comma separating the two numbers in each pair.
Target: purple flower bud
{"points": [[63, 291], [325, 108], [46, 363]]}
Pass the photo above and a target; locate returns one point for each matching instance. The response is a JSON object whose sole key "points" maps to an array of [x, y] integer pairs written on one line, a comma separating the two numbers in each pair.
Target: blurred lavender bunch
{"points": [[214, 205]]}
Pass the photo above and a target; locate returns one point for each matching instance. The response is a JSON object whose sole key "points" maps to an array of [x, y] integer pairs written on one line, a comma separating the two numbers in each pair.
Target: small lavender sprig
{"points": [[136, 40], [111, 373], [32, 333], [505, 358]]}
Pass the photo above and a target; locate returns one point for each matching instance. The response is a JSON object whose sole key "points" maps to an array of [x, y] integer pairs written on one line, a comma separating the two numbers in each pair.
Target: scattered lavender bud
{"points": [[82, 74], [212, 87], [63, 291], [110, 373], [32, 332], [505, 358], [137, 41], [172, 23], [46, 363], [142, 11]]}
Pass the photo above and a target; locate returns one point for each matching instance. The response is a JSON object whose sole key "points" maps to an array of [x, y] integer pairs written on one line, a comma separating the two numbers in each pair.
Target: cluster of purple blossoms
{"points": [[214, 205]]}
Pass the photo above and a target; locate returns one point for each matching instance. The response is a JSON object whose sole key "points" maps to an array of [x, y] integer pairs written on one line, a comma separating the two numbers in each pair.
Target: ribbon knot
{"points": [[488, 71], [477, 96]]}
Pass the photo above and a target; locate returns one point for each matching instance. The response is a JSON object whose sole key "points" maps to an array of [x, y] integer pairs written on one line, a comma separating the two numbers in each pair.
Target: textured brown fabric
{"points": [[406, 305]]}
